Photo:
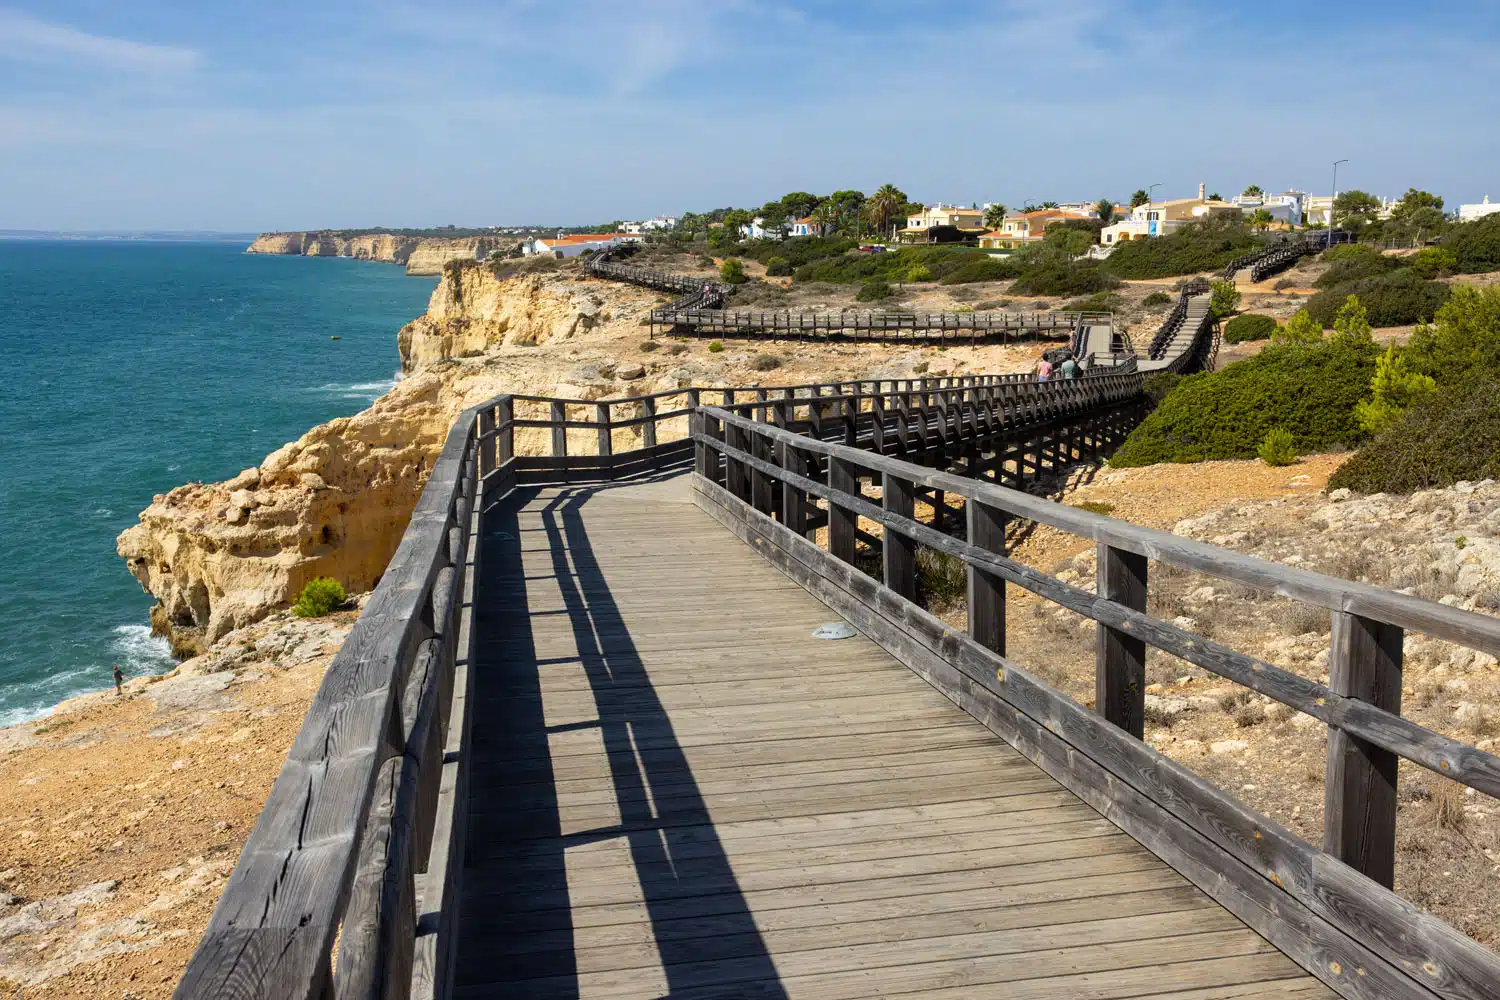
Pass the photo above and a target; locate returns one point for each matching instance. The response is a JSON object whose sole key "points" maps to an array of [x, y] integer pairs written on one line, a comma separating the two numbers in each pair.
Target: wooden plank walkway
{"points": [[678, 791]]}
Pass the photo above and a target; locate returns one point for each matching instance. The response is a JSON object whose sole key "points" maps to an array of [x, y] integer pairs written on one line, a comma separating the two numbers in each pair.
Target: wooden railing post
{"points": [[762, 497], [1120, 681], [1359, 793], [851, 420], [841, 520], [648, 429], [559, 415], [736, 480], [505, 423], [898, 496], [986, 591], [605, 432], [795, 507], [486, 446]]}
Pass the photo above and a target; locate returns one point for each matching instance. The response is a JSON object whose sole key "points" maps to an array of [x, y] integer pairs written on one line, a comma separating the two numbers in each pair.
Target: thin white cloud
{"points": [[24, 38]]}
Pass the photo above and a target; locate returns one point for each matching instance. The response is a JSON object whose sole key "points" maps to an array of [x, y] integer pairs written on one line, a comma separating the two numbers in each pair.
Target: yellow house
{"points": [[1158, 218], [1018, 230], [944, 215]]}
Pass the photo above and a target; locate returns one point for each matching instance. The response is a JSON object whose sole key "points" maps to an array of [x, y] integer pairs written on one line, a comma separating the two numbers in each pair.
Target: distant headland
{"points": [[421, 252]]}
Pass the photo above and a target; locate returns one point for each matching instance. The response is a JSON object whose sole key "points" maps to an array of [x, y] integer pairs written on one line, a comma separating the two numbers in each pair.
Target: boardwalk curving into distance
{"points": [[582, 742], [681, 792]]}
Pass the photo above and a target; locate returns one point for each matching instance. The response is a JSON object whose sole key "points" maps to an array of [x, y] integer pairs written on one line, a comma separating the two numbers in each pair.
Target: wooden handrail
{"points": [[1356, 704]]}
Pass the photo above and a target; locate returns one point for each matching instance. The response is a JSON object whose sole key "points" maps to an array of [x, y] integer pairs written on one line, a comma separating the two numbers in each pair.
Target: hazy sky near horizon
{"points": [[170, 114]]}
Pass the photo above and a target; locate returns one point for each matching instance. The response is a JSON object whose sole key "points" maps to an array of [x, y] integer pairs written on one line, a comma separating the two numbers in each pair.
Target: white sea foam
{"points": [[369, 391], [139, 651], [104, 512]]}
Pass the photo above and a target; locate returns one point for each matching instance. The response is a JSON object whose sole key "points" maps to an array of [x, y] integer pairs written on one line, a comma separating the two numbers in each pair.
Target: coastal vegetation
{"points": [[1249, 326], [322, 595]]}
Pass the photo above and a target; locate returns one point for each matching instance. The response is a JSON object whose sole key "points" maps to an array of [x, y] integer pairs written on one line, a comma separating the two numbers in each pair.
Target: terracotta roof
{"points": [[581, 238], [807, 220]]}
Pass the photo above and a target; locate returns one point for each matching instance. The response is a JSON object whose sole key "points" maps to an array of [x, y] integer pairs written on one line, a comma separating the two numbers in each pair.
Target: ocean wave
{"points": [[359, 390], [140, 652], [104, 512]]}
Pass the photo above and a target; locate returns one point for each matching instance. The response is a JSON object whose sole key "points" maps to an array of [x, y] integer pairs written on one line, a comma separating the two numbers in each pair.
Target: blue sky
{"points": [[158, 114]]}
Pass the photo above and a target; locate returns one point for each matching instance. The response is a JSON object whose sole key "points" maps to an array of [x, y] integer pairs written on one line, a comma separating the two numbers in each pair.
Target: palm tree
{"points": [[1253, 191], [994, 216], [826, 218], [1105, 210], [884, 204], [1260, 219]]}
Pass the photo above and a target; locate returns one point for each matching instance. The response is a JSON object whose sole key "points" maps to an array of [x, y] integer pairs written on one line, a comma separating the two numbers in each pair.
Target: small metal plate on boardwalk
{"points": [[835, 630]]}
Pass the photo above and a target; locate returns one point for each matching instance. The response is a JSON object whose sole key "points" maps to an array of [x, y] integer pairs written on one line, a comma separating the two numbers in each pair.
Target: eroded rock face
{"points": [[420, 254]]}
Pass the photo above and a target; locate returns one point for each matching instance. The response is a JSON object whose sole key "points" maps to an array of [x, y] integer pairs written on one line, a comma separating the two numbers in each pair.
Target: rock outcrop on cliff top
{"points": [[421, 255]]}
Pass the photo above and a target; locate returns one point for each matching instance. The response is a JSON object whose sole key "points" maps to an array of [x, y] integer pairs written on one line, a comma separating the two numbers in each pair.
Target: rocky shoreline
{"points": [[420, 255]]}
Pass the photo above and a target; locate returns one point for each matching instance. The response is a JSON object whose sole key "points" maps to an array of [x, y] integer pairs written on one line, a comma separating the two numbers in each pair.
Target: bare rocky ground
{"points": [[1443, 545], [122, 817]]}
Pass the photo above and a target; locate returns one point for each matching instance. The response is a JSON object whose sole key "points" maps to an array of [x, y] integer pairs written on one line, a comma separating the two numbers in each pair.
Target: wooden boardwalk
{"points": [[678, 791]]}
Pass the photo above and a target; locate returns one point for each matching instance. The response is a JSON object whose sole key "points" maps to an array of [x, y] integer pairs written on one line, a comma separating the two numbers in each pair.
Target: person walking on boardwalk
{"points": [[119, 677], [1069, 367], [1043, 370]]}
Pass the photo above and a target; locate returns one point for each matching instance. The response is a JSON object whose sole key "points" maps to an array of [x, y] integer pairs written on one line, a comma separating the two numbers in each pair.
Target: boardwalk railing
{"points": [[360, 841], [1331, 910]]}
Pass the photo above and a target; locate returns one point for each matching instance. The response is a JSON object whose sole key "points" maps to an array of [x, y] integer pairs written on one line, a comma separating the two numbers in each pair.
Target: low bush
{"points": [[942, 579], [1393, 299], [1250, 326], [1198, 246], [321, 596], [648, 346], [764, 362], [1156, 300], [1277, 447], [778, 267], [1095, 506], [1224, 299], [1444, 438], [1433, 262], [732, 271], [1065, 277], [1098, 302], [874, 290], [919, 272], [714, 347], [1157, 385], [985, 268], [1352, 262], [1476, 245], [1308, 389]]}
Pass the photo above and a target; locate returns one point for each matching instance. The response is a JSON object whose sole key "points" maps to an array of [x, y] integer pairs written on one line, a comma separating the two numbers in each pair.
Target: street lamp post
{"points": [[1335, 195], [1151, 192]]}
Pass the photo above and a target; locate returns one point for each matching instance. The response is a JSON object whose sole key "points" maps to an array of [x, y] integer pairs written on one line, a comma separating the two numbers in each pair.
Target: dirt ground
{"points": [[122, 818]]}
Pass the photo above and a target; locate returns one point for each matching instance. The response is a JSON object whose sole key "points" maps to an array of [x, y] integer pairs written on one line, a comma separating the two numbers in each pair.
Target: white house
{"points": [[660, 222], [573, 244], [756, 229], [1468, 213], [1284, 207], [1158, 218], [803, 227]]}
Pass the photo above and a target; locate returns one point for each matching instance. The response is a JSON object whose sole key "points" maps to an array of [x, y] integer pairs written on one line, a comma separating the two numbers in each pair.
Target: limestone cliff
{"points": [[421, 255], [335, 502]]}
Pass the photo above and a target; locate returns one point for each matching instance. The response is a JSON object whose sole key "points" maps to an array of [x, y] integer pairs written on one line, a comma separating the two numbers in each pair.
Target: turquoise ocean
{"points": [[131, 368]]}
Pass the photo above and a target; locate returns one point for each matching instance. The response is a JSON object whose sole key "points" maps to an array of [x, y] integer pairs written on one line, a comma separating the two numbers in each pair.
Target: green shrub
{"points": [[1198, 246], [1394, 299], [1224, 299], [732, 271], [1277, 447], [1157, 385], [1300, 329], [1064, 277], [319, 597], [1394, 389], [1156, 299], [714, 347], [874, 290], [942, 580], [1095, 506], [984, 268], [1444, 438], [1352, 262], [1250, 326], [1308, 389], [778, 267], [919, 272], [1433, 262], [765, 362], [1464, 340], [1476, 245], [1098, 302]]}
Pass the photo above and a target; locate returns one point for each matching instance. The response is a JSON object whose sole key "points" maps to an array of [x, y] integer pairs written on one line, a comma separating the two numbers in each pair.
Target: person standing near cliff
{"points": [[119, 677]]}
